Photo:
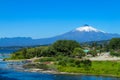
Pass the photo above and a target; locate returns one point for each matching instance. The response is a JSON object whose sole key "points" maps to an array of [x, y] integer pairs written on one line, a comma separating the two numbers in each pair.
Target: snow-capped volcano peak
{"points": [[87, 28]]}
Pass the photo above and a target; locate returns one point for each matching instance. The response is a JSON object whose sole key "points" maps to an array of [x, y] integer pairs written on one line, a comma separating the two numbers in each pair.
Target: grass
{"points": [[111, 68]]}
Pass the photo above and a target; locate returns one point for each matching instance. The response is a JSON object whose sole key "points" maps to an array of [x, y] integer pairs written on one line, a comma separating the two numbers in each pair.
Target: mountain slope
{"points": [[87, 33], [81, 34]]}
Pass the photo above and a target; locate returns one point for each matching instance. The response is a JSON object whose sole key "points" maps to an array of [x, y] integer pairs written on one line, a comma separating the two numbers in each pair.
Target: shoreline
{"points": [[67, 73], [34, 70]]}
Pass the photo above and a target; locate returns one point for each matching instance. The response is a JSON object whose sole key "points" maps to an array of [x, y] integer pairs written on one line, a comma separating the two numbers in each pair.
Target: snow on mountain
{"points": [[87, 33], [87, 28]]}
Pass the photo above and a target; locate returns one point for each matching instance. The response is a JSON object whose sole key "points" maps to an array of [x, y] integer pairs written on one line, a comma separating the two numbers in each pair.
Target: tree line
{"points": [[68, 48]]}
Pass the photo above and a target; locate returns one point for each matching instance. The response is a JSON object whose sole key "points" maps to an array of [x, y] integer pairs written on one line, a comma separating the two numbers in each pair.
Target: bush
{"points": [[114, 53], [40, 66], [62, 63], [78, 52], [47, 59], [114, 44], [93, 53], [70, 62]]}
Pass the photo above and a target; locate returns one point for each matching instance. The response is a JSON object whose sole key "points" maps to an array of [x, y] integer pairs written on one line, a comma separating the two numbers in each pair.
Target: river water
{"points": [[8, 73]]}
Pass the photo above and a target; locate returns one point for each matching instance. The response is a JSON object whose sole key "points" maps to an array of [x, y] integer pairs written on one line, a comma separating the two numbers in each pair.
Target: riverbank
{"points": [[102, 65], [98, 68], [22, 75], [67, 73]]}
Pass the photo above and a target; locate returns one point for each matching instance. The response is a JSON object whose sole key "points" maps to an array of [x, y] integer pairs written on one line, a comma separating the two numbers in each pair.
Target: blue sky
{"points": [[47, 18]]}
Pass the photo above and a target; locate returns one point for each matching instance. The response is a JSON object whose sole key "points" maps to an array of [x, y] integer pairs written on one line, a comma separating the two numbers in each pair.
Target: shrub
{"points": [[93, 53], [114, 53], [47, 59], [40, 66], [78, 52]]}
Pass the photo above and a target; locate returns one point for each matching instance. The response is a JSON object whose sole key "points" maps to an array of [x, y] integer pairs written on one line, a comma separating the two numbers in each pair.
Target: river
{"points": [[8, 73]]}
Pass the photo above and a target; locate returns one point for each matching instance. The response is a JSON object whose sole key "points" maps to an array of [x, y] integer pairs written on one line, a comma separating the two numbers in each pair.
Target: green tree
{"points": [[78, 52], [94, 44], [30, 53], [114, 44], [38, 51], [114, 53], [65, 47], [87, 64], [24, 52], [93, 53]]}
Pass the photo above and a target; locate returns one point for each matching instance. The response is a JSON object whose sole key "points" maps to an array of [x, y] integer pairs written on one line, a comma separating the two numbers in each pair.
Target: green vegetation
{"points": [[114, 43], [72, 62], [68, 56], [114, 46], [65, 47], [61, 47], [40, 66], [115, 53], [93, 53], [47, 59], [78, 52], [98, 68]]}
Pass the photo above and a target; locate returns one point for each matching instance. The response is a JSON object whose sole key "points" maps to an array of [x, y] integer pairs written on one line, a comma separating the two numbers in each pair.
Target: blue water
{"points": [[7, 73], [7, 51], [4, 53]]}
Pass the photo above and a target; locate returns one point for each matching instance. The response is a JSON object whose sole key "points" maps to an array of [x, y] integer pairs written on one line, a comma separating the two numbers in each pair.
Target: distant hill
{"points": [[81, 34]]}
